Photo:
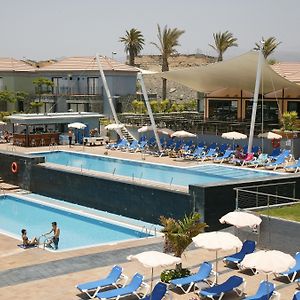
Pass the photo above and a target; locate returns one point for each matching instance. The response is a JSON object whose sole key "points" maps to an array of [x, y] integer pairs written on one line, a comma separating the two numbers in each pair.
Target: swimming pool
{"points": [[202, 174], [77, 230]]}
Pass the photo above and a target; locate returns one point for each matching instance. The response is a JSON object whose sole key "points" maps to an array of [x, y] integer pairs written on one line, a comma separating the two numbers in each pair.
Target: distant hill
{"points": [[175, 91]]}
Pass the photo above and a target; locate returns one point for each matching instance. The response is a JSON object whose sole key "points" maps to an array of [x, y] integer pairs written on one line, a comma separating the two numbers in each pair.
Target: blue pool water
{"points": [[202, 174], [76, 230]]}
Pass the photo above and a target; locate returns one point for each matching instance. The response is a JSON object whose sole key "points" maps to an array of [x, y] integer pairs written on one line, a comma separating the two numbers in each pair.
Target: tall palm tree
{"points": [[134, 42], [269, 46], [223, 41], [179, 233], [167, 41]]}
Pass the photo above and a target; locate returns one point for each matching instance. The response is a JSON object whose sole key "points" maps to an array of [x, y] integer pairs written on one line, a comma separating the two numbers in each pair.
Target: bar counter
{"points": [[35, 139]]}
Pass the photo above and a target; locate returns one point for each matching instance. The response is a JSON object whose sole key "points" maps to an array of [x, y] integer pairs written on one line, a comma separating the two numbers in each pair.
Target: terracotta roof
{"points": [[288, 70], [87, 63], [11, 64]]}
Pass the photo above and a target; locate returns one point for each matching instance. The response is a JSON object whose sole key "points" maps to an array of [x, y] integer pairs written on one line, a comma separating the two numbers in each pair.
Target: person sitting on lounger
{"points": [[55, 238], [26, 241]]}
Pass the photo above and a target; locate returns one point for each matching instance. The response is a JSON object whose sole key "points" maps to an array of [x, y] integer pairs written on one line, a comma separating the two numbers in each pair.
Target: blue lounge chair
{"points": [[224, 157], [133, 147], [248, 247], [260, 161], [93, 287], [204, 272], [296, 296], [265, 291], [275, 153], [197, 152], [298, 282], [233, 283], [292, 272], [279, 162], [295, 167], [158, 292], [130, 289], [212, 153]]}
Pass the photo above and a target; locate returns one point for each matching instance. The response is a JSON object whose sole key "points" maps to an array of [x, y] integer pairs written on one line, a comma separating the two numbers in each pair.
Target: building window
{"points": [[222, 110], [93, 85], [57, 85], [294, 106], [269, 110], [79, 107]]}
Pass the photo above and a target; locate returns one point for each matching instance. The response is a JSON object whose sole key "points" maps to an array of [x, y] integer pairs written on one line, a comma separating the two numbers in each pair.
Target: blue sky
{"points": [[40, 29]]}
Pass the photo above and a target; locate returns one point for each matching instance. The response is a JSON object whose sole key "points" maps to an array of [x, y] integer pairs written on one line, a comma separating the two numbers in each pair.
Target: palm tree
{"points": [[269, 46], [223, 41], [134, 42], [179, 233], [168, 40]]}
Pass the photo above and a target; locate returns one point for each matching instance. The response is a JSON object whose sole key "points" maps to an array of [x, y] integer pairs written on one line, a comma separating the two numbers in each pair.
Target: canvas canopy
{"points": [[239, 72]]}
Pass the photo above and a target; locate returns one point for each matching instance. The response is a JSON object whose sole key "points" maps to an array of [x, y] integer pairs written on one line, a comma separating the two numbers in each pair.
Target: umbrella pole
{"points": [[216, 266], [151, 283]]}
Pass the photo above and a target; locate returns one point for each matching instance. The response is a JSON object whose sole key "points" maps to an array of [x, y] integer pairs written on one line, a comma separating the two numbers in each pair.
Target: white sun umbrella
{"points": [[166, 131], [154, 259], [76, 125], [241, 219], [114, 126], [234, 135], [182, 134], [145, 128], [2, 123], [216, 241], [271, 261], [270, 135]]}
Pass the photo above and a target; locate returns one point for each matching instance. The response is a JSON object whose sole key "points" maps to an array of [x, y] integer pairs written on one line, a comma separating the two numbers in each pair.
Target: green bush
{"points": [[164, 105], [168, 275], [289, 120], [190, 105], [155, 106]]}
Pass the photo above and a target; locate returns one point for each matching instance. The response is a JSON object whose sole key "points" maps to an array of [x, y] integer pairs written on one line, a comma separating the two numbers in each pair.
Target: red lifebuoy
{"points": [[276, 143], [14, 167]]}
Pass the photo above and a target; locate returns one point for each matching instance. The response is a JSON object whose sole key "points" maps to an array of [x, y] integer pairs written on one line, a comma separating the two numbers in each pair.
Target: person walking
{"points": [[70, 134]]}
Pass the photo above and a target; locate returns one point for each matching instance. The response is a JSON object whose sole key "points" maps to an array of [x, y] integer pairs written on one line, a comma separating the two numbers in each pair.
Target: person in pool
{"points": [[55, 238], [26, 241]]}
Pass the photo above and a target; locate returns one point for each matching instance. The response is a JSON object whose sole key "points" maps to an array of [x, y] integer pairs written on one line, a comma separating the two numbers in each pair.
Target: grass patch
{"points": [[291, 212]]}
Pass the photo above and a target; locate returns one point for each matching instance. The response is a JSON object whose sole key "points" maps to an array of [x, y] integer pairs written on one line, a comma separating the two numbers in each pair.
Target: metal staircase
{"points": [[127, 135]]}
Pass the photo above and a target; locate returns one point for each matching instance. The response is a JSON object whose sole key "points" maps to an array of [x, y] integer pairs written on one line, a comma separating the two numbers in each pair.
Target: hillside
{"points": [[175, 91]]}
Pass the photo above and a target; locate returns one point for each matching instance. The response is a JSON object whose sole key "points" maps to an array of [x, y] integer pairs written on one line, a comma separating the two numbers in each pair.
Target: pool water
{"points": [[17, 212], [202, 174]]}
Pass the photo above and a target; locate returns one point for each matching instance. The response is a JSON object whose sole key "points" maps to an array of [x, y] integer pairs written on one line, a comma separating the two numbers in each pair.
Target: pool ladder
{"points": [[148, 231]]}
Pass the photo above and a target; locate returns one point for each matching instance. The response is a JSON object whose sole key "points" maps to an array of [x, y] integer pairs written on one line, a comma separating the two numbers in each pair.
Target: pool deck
{"points": [[40, 274]]}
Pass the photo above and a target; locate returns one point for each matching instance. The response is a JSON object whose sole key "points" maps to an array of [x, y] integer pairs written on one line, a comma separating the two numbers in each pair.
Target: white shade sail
{"points": [[166, 131], [238, 72], [271, 261], [182, 134], [114, 126], [270, 135], [153, 259], [76, 125], [234, 135], [241, 219]]}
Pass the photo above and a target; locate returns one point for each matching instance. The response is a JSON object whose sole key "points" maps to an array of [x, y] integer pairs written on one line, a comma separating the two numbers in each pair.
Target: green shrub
{"points": [[168, 275], [289, 120], [190, 105], [155, 106]]}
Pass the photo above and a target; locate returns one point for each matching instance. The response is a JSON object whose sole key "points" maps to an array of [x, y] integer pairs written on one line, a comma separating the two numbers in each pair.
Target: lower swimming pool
{"points": [[77, 230], [202, 174]]}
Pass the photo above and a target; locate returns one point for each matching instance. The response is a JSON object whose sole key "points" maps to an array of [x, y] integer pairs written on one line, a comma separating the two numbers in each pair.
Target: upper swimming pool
{"points": [[77, 229], [202, 174]]}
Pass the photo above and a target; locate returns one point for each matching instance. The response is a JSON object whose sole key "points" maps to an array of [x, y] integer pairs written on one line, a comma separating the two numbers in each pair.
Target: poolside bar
{"points": [[30, 130]]}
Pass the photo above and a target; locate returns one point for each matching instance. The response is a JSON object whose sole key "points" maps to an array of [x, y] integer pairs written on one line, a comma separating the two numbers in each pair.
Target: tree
{"points": [[179, 233], [223, 41], [168, 40], [7, 96], [134, 42], [42, 86], [269, 46]]}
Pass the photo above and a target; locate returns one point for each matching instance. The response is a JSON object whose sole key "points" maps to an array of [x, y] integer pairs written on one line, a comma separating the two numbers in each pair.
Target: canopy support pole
{"points": [[255, 98], [110, 101], [148, 106]]}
